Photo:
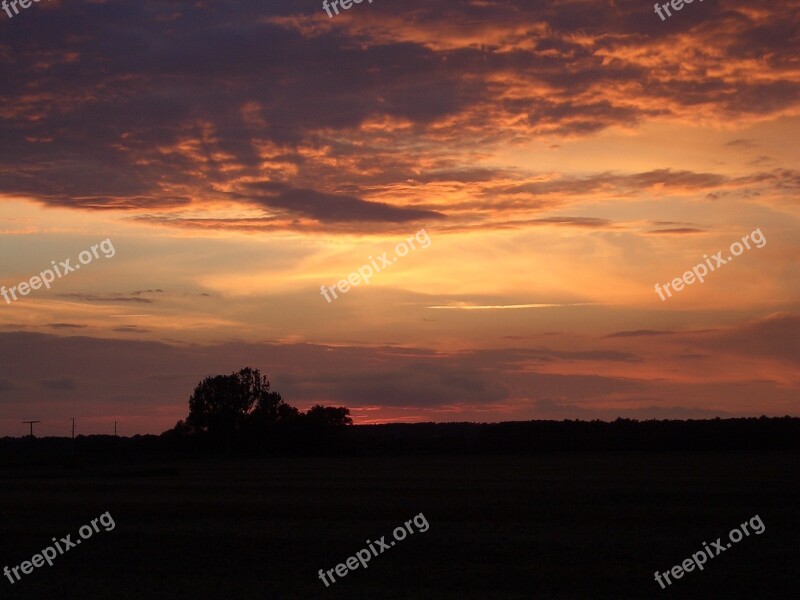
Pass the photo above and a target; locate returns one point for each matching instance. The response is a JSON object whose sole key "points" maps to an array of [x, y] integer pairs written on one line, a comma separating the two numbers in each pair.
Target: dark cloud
{"points": [[112, 297], [762, 160], [418, 385], [333, 207], [638, 333], [671, 224], [66, 326], [130, 329], [742, 143], [59, 383], [779, 179], [620, 183], [465, 175], [776, 336], [676, 231], [548, 355], [589, 222]]}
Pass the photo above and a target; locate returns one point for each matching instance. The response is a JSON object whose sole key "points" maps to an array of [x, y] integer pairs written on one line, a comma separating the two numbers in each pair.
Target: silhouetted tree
{"points": [[222, 404], [287, 412], [328, 415], [271, 408], [183, 428]]}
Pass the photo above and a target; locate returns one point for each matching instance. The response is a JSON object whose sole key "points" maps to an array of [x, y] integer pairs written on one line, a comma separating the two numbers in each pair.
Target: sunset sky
{"points": [[563, 158]]}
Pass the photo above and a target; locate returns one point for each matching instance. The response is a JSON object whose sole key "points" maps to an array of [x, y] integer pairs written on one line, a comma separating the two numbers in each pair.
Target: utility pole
{"points": [[115, 429], [31, 424], [73, 440]]}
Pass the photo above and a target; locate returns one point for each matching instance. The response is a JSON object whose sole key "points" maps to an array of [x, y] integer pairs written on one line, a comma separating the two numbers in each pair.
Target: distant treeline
{"points": [[762, 433], [300, 438]]}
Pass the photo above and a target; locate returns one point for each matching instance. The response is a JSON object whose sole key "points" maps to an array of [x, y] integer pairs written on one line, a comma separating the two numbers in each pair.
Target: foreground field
{"points": [[554, 526]]}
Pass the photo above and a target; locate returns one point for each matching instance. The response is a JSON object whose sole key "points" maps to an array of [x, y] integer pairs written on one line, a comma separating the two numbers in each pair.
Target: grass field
{"points": [[558, 526]]}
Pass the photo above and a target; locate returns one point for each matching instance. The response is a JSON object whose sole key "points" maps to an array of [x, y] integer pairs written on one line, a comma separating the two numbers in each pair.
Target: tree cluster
{"points": [[242, 407]]}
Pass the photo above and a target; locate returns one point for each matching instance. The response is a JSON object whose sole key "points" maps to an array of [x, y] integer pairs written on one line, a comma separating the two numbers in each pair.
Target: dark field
{"points": [[546, 526]]}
